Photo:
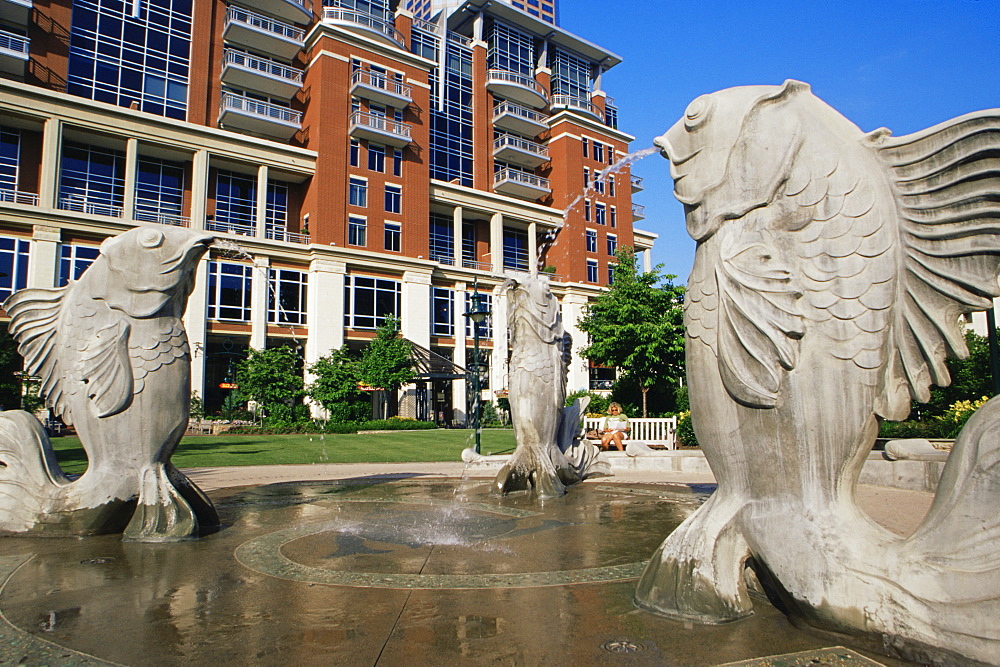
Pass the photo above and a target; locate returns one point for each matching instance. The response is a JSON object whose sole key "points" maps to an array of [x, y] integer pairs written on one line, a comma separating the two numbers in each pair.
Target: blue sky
{"points": [[901, 64]]}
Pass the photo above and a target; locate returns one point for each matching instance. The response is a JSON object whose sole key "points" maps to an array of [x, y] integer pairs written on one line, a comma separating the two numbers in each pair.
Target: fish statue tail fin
{"points": [[170, 507], [30, 477]]}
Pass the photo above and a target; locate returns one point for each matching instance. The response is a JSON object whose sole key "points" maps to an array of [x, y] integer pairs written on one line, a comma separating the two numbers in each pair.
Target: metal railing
{"points": [[427, 26], [384, 26], [11, 42], [636, 181], [381, 81], [81, 205], [512, 141], [278, 234], [254, 20], [18, 197], [459, 39], [162, 218], [574, 102], [262, 109], [263, 65], [479, 266], [503, 76], [441, 258], [638, 210], [506, 107], [230, 228], [521, 177], [381, 123]]}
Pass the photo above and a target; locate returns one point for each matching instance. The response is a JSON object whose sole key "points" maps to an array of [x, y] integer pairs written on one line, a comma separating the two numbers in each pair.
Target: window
{"points": [[10, 158], [393, 199], [357, 231], [586, 179], [614, 216], [586, 210], [74, 260], [442, 312], [92, 179], [229, 291], [570, 75], [598, 182], [470, 259], [611, 274], [355, 152], [397, 162], [13, 265], [515, 249], [511, 50], [611, 185], [392, 233], [442, 238], [611, 155], [369, 301], [286, 302], [586, 148], [486, 326], [235, 203], [599, 213], [598, 151], [159, 191], [376, 157], [591, 270], [612, 244], [451, 156], [276, 213], [359, 192], [591, 240]]}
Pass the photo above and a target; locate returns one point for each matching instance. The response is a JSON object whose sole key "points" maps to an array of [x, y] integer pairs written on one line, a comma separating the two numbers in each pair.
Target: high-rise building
{"points": [[358, 160]]}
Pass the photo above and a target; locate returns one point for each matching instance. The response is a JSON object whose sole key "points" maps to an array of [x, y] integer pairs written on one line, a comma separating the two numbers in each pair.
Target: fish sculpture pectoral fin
{"points": [[107, 371]]}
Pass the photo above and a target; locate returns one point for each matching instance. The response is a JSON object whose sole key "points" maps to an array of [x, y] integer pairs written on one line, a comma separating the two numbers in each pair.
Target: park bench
{"points": [[655, 433]]}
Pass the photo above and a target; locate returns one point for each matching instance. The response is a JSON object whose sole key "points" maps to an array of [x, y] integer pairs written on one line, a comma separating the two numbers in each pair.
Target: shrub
{"points": [[598, 404], [954, 418], [685, 430], [910, 429], [394, 424]]}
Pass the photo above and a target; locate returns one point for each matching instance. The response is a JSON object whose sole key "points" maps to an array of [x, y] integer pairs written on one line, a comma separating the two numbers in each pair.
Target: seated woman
{"points": [[615, 428]]}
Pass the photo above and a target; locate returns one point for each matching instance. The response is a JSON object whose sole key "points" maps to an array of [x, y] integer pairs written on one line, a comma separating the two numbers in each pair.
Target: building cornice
{"points": [[582, 121], [452, 194], [342, 34]]}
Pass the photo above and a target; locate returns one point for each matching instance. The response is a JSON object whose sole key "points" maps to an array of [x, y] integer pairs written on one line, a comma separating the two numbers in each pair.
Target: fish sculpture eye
{"points": [[698, 112], [150, 238]]}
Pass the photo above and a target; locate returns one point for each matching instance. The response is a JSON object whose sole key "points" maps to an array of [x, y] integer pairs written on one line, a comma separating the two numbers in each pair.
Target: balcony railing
{"points": [[521, 177], [279, 234], [14, 43], [264, 65], [636, 183], [442, 258], [81, 205], [162, 218], [479, 266], [384, 26], [265, 24], [574, 102], [231, 101], [511, 141], [531, 115], [503, 76], [392, 131], [18, 197], [427, 26], [383, 81], [638, 211], [230, 228]]}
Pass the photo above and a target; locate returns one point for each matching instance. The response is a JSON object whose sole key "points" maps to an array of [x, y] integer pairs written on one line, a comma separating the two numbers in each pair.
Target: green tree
{"points": [[387, 362], [637, 326], [10, 363], [273, 379], [336, 387]]}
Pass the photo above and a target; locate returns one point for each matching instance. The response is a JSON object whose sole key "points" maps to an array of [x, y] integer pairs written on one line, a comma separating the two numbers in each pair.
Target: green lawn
{"points": [[244, 450]]}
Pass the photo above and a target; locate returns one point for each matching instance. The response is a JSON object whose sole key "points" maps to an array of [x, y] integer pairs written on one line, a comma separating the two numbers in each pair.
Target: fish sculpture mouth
{"points": [[189, 253]]}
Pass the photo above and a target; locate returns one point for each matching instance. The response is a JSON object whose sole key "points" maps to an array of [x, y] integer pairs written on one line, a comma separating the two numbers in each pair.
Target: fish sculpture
{"points": [[113, 358], [549, 453], [831, 271]]}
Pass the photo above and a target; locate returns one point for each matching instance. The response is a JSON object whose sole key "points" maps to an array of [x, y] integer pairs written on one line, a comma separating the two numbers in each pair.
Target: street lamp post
{"points": [[477, 313]]}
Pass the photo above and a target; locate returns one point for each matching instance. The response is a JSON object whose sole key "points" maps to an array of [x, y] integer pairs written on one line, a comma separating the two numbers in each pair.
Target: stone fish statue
{"points": [[831, 270], [549, 453], [113, 358]]}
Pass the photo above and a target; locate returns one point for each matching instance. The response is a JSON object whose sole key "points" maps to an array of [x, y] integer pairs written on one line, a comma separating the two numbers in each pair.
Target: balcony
{"points": [[80, 204], [379, 129], [15, 12], [161, 218], [270, 77], [293, 11], [262, 34], [509, 148], [383, 29], [574, 103], [248, 115], [610, 112], [18, 197], [515, 118], [517, 87], [230, 228], [638, 212], [381, 88], [636, 183], [13, 53], [520, 184], [282, 234]]}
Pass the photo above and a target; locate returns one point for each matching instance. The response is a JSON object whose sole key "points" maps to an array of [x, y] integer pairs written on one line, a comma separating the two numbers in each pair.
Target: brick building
{"points": [[362, 159]]}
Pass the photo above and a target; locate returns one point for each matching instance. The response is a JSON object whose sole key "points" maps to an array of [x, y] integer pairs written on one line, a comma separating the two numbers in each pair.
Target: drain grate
{"points": [[623, 646]]}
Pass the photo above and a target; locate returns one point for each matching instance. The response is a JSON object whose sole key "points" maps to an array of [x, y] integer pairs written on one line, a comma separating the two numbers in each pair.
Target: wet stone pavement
{"points": [[378, 571]]}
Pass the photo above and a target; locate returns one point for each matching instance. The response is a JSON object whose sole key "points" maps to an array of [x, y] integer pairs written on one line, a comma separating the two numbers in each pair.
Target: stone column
{"points": [[258, 302], [131, 175], [496, 243], [458, 387], [43, 264], [199, 189], [48, 188], [647, 260], [416, 321], [261, 217], [196, 323], [532, 248], [573, 306], [456, 233], [325, 314]]}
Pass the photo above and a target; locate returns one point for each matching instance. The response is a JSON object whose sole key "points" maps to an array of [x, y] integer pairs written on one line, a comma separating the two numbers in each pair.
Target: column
{"points": [[199, 189], [416, 320], [496, 242], [43, 262], [456, 234], [533, 248], [196, 323], [647, 260], [261, 218], [325, 314], [131, 174], [258, 303], [458, 387], [573, 307], [48, 188]]}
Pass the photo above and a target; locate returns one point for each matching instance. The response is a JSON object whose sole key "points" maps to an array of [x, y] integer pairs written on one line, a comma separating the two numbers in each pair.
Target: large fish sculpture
{"points": [[831, 271], [114, 362]]}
